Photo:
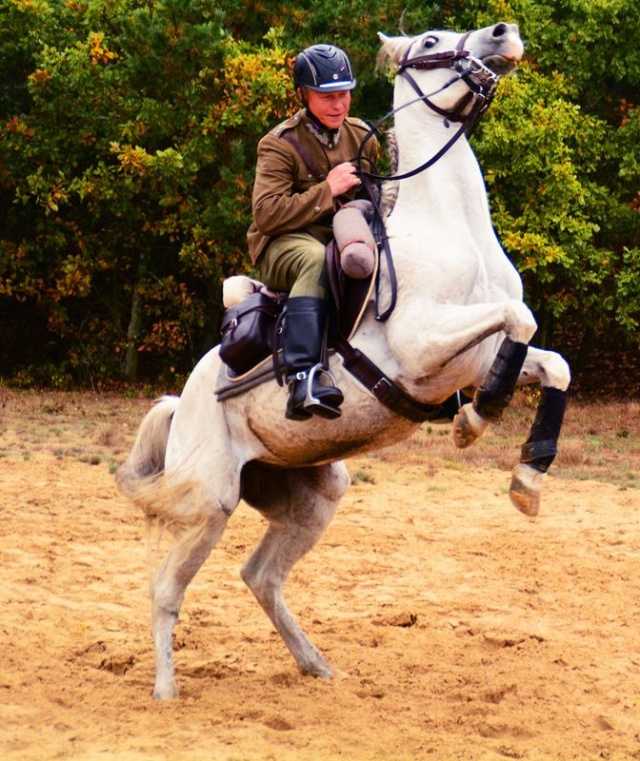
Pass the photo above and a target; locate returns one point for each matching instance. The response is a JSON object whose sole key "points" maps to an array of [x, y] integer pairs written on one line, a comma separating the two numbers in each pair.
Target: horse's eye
{"points": [[429, 41]]}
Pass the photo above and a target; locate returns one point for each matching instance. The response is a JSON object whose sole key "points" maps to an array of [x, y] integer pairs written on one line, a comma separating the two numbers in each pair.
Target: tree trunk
{"points": [[587, 347], [133, 330]]}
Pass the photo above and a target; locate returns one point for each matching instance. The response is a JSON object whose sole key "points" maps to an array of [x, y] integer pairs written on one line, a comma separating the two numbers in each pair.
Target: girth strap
{"points": [[382, 387]]}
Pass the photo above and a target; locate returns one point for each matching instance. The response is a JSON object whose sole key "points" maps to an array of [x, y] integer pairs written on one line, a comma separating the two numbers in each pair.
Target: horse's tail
{"points": [[140, 475]]}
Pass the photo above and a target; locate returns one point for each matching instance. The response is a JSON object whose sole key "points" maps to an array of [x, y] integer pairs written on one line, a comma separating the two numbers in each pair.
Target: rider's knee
{"points": [[311, 278]]}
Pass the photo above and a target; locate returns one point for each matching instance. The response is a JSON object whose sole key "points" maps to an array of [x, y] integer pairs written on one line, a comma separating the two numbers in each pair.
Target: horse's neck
{"points": [[454, 182], [443, 211]]}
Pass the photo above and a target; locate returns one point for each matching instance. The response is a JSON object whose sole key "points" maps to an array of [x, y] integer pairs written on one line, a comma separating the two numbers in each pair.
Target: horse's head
{"points": [[454, 73]]}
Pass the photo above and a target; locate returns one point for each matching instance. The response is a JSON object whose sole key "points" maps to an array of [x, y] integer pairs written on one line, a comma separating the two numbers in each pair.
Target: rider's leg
{"points": [[311, 388], [296, 264]]}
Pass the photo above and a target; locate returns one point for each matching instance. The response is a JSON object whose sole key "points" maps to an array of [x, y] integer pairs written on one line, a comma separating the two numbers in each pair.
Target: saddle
{"points": [[350, 298], [249, 346]]}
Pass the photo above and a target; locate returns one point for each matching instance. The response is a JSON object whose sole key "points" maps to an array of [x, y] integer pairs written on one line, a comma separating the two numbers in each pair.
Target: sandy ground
{"points": [[468, 630]]}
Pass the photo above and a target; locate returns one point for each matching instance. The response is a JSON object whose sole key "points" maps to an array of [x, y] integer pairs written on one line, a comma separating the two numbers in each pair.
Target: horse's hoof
{"points": [[526, 485], [337, 673], [324, 671], [467, 426], [165, 692]]}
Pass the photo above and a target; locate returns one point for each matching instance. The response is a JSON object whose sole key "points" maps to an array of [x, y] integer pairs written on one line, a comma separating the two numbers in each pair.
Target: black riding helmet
{"points": [[324, 68]]}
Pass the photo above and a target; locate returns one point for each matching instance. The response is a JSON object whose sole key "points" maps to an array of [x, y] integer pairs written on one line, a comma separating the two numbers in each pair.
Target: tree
{"points": [[128, 131], [125, 179], [561, 157]]}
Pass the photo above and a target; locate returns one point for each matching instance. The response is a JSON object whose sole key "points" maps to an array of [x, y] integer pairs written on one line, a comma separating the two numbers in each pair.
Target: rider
{"points": [[304, 175]]}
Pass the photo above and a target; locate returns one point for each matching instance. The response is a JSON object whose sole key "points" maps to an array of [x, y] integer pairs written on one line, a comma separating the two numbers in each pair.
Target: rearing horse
{"points": [[459, 322]]}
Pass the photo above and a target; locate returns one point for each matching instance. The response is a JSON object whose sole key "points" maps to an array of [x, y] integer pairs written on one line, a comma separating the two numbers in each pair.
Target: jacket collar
{"points": [[324, 135]]}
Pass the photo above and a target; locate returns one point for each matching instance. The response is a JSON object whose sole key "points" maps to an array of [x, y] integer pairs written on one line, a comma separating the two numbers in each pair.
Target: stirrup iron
{"points": [[325, 405], [313, 402]]}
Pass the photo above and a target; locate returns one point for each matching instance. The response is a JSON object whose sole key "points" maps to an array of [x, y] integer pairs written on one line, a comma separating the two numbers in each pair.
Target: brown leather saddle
{"points": [[350, 298]]}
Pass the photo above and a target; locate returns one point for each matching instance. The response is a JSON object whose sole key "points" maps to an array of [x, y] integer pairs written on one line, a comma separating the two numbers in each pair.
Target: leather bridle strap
{"points": [[445, 60], [449, 59]]}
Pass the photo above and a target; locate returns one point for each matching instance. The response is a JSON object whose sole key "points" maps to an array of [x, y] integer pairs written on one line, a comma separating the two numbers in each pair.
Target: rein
{"points": [[482, 83]]}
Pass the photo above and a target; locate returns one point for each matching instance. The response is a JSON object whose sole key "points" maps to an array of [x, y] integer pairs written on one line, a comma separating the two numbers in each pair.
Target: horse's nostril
{"points": [[499, 30]]}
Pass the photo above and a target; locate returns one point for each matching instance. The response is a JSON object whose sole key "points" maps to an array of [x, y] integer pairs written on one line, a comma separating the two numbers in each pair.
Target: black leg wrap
{"points": [[496, 392], [541, 447]]}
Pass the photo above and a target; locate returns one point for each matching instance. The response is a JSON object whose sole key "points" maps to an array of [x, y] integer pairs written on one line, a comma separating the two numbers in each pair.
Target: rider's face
{"points": [[331, 108]]}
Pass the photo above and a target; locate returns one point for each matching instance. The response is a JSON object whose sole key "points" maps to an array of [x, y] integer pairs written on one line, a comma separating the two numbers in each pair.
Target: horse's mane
{"points": [[389, 194], [389, 55]]}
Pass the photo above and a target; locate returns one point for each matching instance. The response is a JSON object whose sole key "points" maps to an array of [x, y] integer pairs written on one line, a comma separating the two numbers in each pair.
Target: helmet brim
{"points": [[332, 86]]}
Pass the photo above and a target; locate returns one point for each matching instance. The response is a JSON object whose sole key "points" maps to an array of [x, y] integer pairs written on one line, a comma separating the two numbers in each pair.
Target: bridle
{"points": [[480, 80], [481, 83]]}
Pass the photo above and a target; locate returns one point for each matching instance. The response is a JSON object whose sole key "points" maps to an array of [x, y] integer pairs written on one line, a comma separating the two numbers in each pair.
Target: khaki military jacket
{"points": [[287, 196]]}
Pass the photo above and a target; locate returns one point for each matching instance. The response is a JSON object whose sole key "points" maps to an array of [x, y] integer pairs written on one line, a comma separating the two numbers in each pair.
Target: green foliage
{"points": [[568, 215], [125, 179], [127, 146]]}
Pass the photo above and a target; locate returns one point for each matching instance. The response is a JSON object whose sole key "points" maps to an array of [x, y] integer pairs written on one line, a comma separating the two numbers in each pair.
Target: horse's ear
{"points": [[392, 50]]}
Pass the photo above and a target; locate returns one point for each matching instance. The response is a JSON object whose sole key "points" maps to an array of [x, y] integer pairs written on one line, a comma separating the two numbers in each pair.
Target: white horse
{"points": [[459, 323]]}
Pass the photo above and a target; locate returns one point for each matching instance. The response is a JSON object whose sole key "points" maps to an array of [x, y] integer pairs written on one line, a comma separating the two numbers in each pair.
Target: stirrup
{"points": [[323, 404], [317, 404]]}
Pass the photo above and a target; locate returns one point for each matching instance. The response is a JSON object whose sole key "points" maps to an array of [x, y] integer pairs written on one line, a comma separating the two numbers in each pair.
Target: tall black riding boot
{"points": [[311, 385]]}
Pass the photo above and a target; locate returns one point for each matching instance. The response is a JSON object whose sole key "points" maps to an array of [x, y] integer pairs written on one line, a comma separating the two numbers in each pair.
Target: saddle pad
{"points": [[229, 385]]}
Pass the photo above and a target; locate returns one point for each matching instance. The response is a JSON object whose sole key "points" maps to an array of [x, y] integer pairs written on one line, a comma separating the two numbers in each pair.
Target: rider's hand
{"points": [[342, 178]]}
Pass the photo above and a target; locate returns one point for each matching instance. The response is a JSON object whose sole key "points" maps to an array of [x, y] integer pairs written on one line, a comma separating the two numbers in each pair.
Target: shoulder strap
{"points": [[305, 156]]}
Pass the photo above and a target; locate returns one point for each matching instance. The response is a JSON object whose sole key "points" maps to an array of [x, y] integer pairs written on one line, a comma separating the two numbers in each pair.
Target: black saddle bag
{"points": [[248, 331]]}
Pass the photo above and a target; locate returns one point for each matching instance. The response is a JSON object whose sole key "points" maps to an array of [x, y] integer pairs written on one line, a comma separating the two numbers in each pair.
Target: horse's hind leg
{"points": [[190, 549], [299, 504]]}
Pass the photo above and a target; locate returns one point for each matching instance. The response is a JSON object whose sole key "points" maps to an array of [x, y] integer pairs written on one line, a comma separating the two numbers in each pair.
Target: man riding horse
{"points": [[304, 175]]}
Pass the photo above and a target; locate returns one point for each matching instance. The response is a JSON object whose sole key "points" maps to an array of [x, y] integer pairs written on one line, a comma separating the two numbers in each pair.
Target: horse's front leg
{"points": [[493, 396], [459, 329], [541, 447]]}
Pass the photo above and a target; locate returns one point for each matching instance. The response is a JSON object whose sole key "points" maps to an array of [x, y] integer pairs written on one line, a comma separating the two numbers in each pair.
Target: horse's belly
{"points": [[365, 425]]}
